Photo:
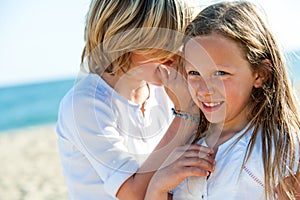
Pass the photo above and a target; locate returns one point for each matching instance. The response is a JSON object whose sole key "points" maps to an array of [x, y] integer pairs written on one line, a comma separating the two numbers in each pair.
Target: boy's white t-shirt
{"points": [[103, 138], [229, 180]]}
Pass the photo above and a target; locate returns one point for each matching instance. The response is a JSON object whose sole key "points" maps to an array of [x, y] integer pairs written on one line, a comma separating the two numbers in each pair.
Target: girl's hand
{"points": [[176, 87], [184, 161]]}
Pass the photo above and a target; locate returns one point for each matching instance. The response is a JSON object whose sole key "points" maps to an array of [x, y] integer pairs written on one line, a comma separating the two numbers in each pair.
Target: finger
{"points": [[192, 150], [195, 171], [198, 156], [191, 153], [178, 64], [165, 73], [176, 76], [196, 147], [208, 157], [196, 162]]}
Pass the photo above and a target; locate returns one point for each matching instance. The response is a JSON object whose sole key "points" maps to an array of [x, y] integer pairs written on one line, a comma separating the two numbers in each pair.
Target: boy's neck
{"points": [[135, 91]]}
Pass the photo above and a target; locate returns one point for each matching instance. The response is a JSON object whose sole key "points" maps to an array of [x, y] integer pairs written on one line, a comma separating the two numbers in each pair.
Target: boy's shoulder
{"points": [[86, 91]]}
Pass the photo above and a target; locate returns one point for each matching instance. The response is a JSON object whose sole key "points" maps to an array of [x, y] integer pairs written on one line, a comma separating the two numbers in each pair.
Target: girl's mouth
{"points": [[211, 106]]}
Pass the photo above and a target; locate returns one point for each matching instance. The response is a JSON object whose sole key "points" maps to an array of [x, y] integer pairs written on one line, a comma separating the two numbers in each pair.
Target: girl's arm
{"points": [[184, 161], [135, 186], [178, 133]]}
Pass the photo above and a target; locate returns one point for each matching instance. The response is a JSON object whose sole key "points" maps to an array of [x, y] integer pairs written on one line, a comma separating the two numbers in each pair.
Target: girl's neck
{"points": [[220, 133], [136, 91]]}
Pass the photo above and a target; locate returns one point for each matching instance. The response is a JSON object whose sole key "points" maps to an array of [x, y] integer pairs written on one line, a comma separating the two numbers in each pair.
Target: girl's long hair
{"points": [[272, 107]]}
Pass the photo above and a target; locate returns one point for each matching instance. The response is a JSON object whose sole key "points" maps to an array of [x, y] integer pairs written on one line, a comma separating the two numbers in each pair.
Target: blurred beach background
{"points": [[41, 44]]}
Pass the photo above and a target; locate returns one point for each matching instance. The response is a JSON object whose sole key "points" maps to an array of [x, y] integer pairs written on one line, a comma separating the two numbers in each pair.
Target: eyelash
{"points": [[217, 73], [193, 73], [222, 73]]}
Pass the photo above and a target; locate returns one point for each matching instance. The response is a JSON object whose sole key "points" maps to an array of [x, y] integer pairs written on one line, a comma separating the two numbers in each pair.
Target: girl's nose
{"points": [[205, 88]]}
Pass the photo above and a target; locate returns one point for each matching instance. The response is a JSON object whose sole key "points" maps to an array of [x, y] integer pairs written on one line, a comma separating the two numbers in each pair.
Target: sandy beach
{"points": [[30, 165]]}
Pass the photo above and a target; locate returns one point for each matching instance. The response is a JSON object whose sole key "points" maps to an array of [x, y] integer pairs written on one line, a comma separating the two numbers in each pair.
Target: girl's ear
{"points": [[263, 73]]}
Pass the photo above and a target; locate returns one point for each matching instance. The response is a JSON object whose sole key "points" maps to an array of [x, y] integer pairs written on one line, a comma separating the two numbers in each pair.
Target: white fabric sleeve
{"points": [[89, 127]]}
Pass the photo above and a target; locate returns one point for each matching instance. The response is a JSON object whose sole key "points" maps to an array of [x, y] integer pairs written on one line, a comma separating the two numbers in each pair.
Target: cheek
{"points": [[193, 89], [238, 96], [192, 84]]}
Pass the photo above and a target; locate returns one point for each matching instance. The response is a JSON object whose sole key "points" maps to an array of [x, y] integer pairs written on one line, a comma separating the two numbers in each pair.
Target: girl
{"points": [[115, 116], [237, 77]]}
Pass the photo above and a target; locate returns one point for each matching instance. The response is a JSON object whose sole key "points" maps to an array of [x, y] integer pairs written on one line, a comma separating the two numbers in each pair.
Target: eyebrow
{"points": [[215, 66], [222, 66]]}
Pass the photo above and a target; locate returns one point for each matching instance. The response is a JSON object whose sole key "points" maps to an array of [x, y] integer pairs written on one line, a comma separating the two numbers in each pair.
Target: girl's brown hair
{"points": [[272, 107]]}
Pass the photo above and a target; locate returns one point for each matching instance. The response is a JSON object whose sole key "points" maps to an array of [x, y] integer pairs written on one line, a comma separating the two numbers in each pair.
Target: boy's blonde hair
{"points": [[117, 28], [272, 107]]}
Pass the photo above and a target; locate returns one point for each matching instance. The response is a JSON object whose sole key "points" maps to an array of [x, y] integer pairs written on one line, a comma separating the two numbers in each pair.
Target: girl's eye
{"points": [[193, 73], [220, 73]]}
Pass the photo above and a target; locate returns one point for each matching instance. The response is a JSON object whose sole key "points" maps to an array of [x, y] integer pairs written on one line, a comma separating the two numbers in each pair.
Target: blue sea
{"points": [[31, 104], [37, 104]]}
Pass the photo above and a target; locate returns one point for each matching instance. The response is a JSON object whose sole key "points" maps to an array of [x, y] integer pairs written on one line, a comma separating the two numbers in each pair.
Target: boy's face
{"points": [[220, 79], [149, 71]]}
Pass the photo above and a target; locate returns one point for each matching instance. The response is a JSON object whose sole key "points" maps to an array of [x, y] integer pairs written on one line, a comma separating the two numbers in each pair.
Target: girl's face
{"points": [[220, 79]]}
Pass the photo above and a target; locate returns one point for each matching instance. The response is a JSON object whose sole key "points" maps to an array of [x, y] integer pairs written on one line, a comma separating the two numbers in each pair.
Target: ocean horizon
{"points": [[31, 104], [37, 103]]}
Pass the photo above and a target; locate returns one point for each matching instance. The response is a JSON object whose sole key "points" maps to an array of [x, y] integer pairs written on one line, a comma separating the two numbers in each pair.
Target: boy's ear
{"points": [[263, 73]]}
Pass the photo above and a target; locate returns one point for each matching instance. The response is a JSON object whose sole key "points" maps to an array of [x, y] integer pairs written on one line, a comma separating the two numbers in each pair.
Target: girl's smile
{"points": [[220, 79], [211, 106]]}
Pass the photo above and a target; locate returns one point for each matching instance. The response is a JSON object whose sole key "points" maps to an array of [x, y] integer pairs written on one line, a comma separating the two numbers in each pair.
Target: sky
{"points": [[43, 40]]}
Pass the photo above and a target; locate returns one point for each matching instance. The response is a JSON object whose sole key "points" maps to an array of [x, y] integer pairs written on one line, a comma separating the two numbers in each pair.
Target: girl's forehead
{"points": [[212, 44], [213, 39], [214, 50]]}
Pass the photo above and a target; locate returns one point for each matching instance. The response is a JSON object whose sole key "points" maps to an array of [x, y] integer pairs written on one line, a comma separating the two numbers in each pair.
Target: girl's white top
{"points": [[230, 180], [103, 138]]}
